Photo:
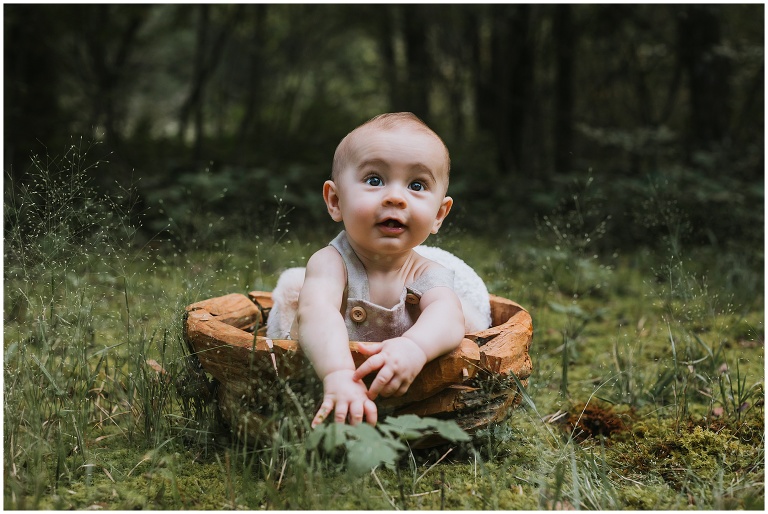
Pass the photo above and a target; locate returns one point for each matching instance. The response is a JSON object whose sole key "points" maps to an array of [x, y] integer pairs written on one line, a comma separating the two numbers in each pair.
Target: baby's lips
{"points": [[392, 223]]}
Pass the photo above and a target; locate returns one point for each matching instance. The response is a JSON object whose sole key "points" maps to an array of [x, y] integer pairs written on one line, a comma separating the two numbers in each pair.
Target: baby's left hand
{"points": [[398, 360]]}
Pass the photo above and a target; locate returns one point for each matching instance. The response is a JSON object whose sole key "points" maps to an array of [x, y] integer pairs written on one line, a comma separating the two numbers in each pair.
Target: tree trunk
{"points": [[207, 56], [521, 80], [385, 34], [503, 92], [417, 61], [481, 73], [110, 67], [698, 36], [564, 50], [32, 112], [250, 123]]}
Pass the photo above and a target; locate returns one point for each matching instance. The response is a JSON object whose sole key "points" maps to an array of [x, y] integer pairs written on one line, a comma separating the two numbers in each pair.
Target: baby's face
{"points": [[391, 192]]}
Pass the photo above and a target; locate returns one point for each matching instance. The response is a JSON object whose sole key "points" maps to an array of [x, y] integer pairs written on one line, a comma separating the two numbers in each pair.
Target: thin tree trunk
{"points": [[521, 80], [418, 65], [386, 34], [510, 83], [250, 124], [481, 72], [708, 72], [564, 50], [207, 57]]}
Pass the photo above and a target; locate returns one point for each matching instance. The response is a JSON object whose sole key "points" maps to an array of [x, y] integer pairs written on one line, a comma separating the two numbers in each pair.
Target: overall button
{"points": [[412, 299], [358, 314]]}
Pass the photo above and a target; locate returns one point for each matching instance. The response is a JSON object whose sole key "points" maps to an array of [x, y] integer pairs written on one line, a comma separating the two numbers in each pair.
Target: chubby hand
{"points": [[398, 360], [348, 397]]}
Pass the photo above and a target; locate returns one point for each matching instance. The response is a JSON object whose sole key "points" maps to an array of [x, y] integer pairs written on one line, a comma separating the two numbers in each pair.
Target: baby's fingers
{"points": [[371, 412], [372, 364], [356, 410], [383, 378], [342, 409], [363, 410], [402, 389], [325, 409], [369, 348]]}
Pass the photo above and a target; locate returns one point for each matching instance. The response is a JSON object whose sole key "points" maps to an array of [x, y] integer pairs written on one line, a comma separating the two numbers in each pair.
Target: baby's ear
{"points": [[445, 208], [331, 197]]}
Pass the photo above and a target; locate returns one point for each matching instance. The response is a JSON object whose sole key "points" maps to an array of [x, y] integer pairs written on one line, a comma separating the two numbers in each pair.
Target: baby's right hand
{"points": [[348, 397]]}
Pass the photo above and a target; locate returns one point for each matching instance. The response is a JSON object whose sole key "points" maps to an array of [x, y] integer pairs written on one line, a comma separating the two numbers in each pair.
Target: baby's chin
{"points": [[383, 246]]}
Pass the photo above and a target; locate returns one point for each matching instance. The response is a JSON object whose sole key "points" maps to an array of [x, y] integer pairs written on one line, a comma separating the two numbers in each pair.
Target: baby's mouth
{"points": [[392, 223]]}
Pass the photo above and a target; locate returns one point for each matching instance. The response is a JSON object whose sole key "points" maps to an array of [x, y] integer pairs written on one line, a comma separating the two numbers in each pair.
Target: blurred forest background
{"points": [[652, 116]]}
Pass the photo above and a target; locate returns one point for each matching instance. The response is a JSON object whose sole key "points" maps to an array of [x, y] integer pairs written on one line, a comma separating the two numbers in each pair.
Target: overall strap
{"points": [[436, 277], [357, 278]]}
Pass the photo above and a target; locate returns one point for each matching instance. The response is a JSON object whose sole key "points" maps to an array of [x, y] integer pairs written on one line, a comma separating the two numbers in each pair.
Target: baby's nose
{"points": [[394, 195]]}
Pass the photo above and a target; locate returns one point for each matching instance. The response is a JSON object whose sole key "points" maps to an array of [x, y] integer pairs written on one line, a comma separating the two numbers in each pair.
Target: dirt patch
{"points": [[595, 419]]}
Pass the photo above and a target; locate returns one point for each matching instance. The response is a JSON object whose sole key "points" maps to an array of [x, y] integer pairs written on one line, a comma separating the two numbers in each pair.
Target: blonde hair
{"points": [[386, 121]]}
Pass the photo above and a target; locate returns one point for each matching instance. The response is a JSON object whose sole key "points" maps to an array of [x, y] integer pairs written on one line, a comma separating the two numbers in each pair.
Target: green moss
{"points": [[695, 462], [651, 495]]}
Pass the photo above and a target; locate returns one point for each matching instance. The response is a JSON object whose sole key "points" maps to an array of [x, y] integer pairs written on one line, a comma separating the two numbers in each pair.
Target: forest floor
{"points": [[647, 389]]}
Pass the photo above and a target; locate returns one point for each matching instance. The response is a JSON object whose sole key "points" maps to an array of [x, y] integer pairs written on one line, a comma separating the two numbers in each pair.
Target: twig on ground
{"points": [[433, 465], [386, 496]]}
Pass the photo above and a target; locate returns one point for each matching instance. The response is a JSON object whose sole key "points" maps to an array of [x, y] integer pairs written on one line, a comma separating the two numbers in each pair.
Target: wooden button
{"points": [[358, 314], [412, 299]]}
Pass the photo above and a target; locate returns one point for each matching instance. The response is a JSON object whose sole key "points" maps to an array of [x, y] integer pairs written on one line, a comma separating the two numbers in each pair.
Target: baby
{"points": [[372, 283]]}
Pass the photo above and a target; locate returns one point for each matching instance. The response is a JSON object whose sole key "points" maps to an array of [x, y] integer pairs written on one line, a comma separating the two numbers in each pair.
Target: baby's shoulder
{"points": [[326, 253], [422, 265], [326, 261]]}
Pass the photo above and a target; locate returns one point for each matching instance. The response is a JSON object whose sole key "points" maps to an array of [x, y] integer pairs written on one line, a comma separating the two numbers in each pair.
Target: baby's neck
{"points": [[379, 263], [388, 274], [385, 264], [387, 280]]}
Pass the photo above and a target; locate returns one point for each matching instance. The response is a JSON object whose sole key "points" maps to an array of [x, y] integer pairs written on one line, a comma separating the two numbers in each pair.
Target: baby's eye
{"points": [[373, 181], [417, 186]]}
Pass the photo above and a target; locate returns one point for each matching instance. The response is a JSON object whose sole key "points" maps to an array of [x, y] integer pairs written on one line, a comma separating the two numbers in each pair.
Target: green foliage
{"points": [[410, 426], [197, 206], [737, 398], [54, 211], [54, 371], [368, 447]]}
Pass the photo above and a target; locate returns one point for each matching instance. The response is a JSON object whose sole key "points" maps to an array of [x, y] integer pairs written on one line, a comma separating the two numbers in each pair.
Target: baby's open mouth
{"points": [[392, 224]]}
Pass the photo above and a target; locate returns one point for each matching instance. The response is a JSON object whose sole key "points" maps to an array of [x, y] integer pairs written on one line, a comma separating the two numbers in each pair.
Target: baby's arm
{"points": [[323, 338], [439, 329]]}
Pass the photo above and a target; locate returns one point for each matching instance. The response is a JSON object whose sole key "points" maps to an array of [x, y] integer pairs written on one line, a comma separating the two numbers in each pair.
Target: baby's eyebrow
{"points": [[425, 169], [373, 162]]}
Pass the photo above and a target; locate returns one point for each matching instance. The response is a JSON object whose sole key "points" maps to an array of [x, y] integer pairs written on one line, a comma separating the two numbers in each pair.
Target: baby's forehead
{"points": [[390, 125], [360, 140], [359, 144]]}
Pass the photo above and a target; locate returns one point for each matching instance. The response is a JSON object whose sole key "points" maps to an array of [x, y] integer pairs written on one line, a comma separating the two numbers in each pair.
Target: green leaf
{"points": [[364, 432], [362, 456], [315, 436], [409, 422], [368, 447], [42, 367], [411, 426], [451, 431], [335, 435], [398, 431]]}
